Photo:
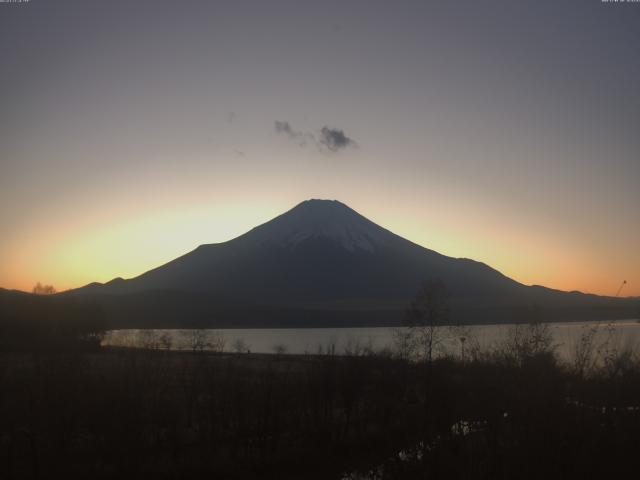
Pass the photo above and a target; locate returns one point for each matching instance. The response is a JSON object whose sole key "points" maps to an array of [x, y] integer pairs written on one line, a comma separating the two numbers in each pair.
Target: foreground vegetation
{"points": [[514, 412], [71, 409], [45, 321]]}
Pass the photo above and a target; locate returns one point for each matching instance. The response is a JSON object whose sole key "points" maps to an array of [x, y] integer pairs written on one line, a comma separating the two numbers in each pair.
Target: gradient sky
{"points": [[505, 131]]}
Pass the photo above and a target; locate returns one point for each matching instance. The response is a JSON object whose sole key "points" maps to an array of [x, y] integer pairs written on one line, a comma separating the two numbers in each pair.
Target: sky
{"points": [[500, 130]]}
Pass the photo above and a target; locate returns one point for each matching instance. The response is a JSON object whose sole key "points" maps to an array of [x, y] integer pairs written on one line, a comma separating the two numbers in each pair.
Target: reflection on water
{"points": [[620, 335]]}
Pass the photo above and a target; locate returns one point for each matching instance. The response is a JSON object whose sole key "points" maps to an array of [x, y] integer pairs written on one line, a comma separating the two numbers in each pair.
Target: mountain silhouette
{"points": [[322, 263]]}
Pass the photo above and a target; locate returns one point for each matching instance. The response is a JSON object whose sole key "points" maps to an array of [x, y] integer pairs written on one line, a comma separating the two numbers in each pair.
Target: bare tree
{"points": [[584, 354], [404, 344], [217, 342], [196, 340], [426, 316], [617, 358], [526, 341], [240, 346], [355, 347], [40, 289]]}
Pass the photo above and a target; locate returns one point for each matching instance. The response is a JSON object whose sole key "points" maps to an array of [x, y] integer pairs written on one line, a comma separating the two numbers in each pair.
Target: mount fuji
{"points": [[323, 264]]}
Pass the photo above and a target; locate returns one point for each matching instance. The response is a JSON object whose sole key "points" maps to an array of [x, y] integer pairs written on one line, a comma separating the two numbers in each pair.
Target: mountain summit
{"points": [[322, 263], [323, 219]]}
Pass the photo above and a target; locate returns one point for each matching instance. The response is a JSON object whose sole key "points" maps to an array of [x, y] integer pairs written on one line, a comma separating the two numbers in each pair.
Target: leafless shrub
{"points": [[356, 347], [585, 357], [279, 349], [526, 341], [196, 340], [428, 312], [404, 345], [240, 346], [617, 359], [166, 340], [217, 342]]}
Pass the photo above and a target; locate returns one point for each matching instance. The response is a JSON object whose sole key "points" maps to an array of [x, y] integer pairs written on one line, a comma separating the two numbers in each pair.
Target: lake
{"points": [[566, 336]]}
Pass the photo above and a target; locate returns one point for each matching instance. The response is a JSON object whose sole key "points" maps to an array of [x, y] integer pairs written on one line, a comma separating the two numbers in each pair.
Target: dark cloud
{"points": [[335, 139], [328, 140]]}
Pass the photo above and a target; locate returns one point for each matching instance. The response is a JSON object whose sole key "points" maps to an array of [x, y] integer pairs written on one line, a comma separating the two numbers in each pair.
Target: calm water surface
{"points": [[620, 334]]}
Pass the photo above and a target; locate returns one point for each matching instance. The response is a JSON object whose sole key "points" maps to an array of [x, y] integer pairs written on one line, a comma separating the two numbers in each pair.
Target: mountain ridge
{"points": [[301, 206], [323, 256]]}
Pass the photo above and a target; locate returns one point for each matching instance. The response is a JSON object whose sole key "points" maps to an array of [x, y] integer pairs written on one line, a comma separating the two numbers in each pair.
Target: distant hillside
{"points": [[29, 322]]}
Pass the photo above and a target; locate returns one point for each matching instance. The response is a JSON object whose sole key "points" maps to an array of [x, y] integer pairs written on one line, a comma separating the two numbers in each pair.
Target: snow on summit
{"points": [[324, 219]]}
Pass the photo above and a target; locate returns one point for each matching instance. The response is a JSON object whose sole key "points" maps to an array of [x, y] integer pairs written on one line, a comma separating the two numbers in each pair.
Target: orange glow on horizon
{"points": [[72, 255]]}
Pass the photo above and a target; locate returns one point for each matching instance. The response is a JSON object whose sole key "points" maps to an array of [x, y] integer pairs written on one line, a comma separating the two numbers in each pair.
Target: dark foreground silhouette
{"points": [[514, 413], [70, 409]]}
